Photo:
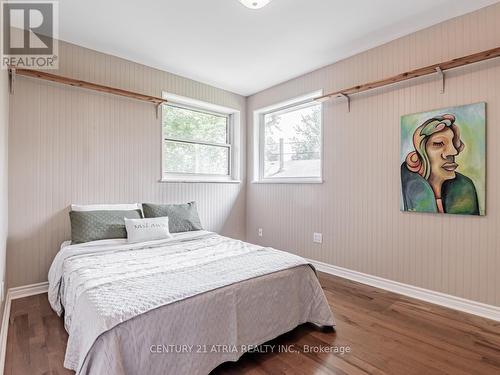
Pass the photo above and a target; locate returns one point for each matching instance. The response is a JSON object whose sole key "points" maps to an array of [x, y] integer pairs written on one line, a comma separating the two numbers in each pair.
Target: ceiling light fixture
{"points": [[255, 4]]}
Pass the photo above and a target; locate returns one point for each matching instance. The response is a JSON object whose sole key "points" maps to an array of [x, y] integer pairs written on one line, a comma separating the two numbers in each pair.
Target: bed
{"points": [[181, 305]]}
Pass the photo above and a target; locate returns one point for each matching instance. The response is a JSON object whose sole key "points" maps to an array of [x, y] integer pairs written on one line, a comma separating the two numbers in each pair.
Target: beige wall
{"points": [[357, 207], [71, 145], [4, 126]]}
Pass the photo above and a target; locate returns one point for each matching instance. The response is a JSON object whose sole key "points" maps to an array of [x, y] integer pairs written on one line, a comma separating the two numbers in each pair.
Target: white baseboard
{"points": [[438, 298], [15, 293], [28, 290]]}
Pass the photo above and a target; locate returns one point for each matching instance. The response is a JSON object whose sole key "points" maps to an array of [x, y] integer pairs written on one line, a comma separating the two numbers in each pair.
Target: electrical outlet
{"points": [[260, 232], [317, 237]]}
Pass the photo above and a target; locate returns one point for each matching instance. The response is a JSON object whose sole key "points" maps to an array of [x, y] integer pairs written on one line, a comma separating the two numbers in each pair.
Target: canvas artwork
{"points": [[443, 160]]}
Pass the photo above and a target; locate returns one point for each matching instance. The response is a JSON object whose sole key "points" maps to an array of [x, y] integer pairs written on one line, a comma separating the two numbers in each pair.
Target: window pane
{"points": [[293, 143], [183, 157], [192, 125]]}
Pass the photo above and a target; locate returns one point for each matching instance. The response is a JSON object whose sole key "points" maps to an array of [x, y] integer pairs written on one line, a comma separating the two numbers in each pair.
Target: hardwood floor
{"points": [[386, 334]]}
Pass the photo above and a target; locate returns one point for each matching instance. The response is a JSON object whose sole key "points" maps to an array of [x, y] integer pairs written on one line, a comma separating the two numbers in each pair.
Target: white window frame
{"points": [[259, 140], [232, 141]]}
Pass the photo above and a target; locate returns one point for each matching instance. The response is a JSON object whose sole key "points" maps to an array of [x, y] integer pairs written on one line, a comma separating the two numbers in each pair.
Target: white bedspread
{"points": [[104, 283]]}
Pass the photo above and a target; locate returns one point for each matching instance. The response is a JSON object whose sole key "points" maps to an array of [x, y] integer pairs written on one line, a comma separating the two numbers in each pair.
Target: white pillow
{"points": [[106, 207], [142, 230]]}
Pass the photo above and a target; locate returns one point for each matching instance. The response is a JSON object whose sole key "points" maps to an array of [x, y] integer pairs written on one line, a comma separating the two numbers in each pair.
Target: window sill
{"points": [[295, 181], [198, 181]]}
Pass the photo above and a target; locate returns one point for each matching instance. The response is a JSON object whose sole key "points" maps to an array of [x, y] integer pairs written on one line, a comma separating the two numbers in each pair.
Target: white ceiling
{"points": [[222, 43]]}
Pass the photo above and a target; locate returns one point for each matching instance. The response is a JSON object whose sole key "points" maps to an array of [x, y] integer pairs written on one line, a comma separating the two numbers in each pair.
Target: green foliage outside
{"points": [[189, 125], [306, 144]]}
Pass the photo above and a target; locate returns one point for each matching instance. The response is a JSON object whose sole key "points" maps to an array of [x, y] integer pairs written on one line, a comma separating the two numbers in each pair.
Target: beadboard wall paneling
{"points": [[4, 128], [357, 207], [70, 145]]}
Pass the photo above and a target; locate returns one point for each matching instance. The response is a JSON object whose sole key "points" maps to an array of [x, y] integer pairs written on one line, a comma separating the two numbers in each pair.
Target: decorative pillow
{"points": [[141, 230], [181, 217], [89, 226], [106, 207]]}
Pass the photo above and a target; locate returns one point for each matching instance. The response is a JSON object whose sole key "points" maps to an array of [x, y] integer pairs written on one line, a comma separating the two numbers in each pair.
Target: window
{"points": [[290, 141], [197, 141]]}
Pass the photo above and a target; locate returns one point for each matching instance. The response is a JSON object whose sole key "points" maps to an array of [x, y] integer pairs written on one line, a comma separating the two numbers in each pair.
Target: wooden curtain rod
{"points": [[431, 69], [83, 84]]}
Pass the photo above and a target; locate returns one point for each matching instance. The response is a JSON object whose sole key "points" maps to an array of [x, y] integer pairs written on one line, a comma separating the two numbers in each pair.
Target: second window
{"points": [[291, 143]]}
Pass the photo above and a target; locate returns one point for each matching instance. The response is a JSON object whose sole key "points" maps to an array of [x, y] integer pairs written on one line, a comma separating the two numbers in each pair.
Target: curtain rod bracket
{"points": [[12, 76], [441, 77], [348, 98], [158, 106]]}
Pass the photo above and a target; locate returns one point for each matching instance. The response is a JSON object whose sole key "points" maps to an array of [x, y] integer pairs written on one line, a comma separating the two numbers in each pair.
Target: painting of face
{"points": [[442, 152], [443, 161]]}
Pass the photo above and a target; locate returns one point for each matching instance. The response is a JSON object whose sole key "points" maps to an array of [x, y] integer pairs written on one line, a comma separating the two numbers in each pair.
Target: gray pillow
{"points": [[181, 217], [89, 226]]}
